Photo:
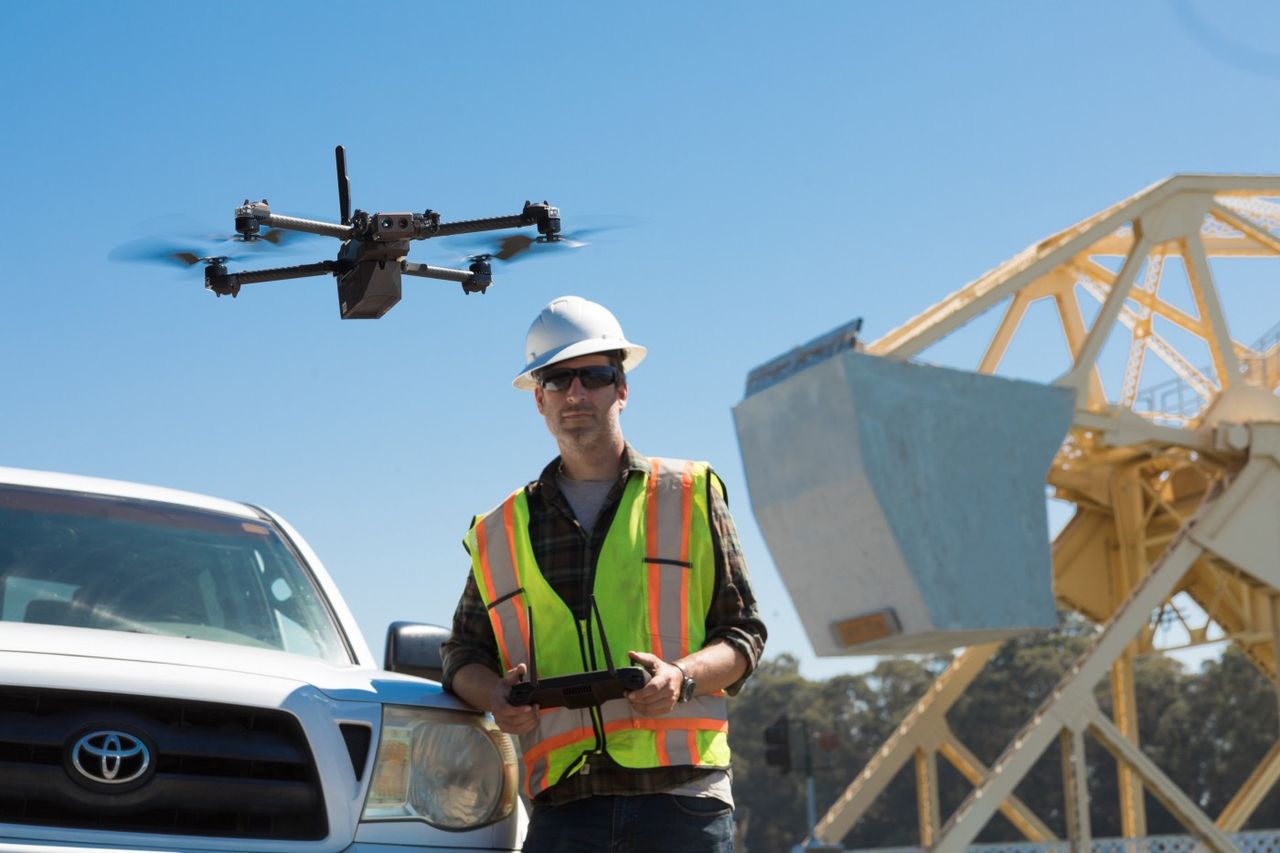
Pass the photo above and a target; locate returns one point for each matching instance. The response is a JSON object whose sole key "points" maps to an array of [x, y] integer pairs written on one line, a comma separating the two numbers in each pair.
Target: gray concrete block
{"points": [[909, 494]]}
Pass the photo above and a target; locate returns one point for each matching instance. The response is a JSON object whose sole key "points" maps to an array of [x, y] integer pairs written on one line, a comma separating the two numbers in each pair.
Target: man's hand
{"points": [[662, 692], [512, 719]]}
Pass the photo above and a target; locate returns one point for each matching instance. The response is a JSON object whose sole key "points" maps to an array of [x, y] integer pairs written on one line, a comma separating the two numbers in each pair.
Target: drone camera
{"points": [[392, 226]]}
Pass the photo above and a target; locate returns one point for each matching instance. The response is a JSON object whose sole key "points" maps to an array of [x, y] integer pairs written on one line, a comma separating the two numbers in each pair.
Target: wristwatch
{"points": [[687, 686]]}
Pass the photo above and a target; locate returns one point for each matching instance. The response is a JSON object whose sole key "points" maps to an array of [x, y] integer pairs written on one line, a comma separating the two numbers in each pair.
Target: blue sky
{"points": [[789, 167]]}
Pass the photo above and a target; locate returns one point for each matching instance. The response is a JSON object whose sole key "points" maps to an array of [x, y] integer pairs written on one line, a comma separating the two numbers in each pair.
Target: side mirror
{"points": [[414, 649]]}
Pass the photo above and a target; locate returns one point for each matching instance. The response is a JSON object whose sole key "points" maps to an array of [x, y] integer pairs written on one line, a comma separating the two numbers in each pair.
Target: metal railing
{"points": [[1258, 841], [1176, 403]]}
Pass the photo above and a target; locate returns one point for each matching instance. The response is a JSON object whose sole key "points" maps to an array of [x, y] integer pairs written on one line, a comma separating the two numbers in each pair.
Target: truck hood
{"points": [[116, 661]]}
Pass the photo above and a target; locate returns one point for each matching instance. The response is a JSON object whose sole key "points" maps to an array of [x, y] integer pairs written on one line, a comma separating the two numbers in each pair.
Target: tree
{"points": [[1206, 730]]}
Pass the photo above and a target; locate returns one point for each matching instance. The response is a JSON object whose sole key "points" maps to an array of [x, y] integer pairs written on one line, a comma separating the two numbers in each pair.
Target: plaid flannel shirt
{"points": [[566, 555]]}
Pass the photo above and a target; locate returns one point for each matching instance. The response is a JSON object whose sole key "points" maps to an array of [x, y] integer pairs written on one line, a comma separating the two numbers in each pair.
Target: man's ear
{"points": [[537, 398], [622, 396]]}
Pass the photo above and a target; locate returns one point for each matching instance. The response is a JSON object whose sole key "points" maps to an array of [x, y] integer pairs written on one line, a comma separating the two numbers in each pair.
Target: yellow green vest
{"points": [[653, 584]]}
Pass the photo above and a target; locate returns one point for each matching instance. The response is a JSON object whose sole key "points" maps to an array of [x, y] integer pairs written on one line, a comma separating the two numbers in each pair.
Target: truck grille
{"points": [[213, 770]]}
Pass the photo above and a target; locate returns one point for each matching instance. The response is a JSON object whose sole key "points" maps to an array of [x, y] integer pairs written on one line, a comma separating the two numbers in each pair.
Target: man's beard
{"points": [[586, 433]]}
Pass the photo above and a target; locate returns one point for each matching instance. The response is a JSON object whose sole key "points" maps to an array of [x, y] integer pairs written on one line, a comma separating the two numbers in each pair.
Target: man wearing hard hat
{"points": [[651, 542]]}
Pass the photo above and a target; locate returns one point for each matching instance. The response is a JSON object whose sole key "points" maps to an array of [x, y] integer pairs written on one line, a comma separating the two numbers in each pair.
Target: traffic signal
{"points": [[777, 744]]}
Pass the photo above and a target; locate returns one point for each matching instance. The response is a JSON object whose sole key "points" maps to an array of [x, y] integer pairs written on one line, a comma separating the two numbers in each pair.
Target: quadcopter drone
{"points": [[372, 257]]}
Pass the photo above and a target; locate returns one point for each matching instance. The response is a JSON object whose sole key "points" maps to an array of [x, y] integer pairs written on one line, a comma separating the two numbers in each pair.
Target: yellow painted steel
{"points": [[1075, 789], [1174, 489], [1252, 792], [929, 808]]}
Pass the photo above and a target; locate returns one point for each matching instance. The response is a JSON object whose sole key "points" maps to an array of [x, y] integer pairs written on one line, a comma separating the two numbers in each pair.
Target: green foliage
{"points": [[1207, 730]]}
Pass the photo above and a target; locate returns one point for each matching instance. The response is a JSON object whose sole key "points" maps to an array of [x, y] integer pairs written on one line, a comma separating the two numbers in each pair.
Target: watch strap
{"points": [[687, 685]]}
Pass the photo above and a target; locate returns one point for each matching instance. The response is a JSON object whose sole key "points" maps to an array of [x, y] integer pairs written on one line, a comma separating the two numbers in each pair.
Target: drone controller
{"points": [[580, 690]]}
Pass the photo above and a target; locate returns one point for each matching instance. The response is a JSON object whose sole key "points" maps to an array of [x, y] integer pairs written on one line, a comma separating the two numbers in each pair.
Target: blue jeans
{"points": [[648, 823]]}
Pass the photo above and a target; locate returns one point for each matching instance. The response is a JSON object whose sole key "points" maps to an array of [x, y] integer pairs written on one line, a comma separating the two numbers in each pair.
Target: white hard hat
{"points": [[571, 326]]}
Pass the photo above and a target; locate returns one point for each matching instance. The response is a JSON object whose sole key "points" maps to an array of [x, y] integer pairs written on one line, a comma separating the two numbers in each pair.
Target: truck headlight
{"points": [[452, 769]]}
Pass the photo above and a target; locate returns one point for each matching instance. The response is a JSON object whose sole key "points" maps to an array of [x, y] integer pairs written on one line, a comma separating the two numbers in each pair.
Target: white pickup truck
{"points": [[179, 673]]}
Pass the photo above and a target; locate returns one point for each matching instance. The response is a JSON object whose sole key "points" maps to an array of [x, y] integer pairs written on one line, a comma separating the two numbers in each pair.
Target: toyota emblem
{"points": [[110, 757]]}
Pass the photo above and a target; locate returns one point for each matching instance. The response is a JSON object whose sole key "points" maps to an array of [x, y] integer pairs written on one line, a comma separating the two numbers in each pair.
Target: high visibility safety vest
{"points": [[653, 585]]}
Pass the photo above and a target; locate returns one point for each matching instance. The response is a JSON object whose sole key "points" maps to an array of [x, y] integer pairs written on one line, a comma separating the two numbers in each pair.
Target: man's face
{"points": [[579, 417]]}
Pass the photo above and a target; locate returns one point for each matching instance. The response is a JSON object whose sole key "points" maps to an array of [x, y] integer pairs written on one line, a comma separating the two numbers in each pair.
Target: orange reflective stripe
{"points": [[661, 724], [655, 598], [508, 524], [542, 747], [652, 551], [668, 521], [673, 748], [495, 547], [619, 713], [529, 767], [675, 736], [664, 757], [482, 544], [557, 728]]}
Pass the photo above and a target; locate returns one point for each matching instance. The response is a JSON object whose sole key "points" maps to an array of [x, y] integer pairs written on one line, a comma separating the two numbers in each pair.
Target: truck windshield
{"points": [[118, 564]]}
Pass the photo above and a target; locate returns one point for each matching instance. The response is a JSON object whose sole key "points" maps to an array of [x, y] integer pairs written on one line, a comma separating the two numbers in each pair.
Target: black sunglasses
{"points": [[594, 376]]}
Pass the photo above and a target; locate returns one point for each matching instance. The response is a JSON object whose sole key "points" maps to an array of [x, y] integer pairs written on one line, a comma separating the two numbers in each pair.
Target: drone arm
{"points": [[474, 280], [230, 283], [311, 226], [470, 226], [282, 273], [428, 271], [543, 215]]}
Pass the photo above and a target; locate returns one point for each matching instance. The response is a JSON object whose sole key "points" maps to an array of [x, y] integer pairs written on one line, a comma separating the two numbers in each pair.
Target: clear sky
{"points": [[790, 167]]}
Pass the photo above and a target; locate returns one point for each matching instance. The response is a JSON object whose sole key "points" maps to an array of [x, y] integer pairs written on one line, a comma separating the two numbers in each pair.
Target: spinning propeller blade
{"points": [[181, 253], [518, 247], [512, 246], [180, 241], [278, 237]]}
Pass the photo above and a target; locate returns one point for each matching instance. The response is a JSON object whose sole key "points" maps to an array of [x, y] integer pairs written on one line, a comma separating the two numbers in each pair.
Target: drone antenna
{"points": [[533, 659], [604, 638], [344, 185]]}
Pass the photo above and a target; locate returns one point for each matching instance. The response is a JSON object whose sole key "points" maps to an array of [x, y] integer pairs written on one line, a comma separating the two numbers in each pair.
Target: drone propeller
{"points": [[190, 259], [195, 247], [517, 247], [274, 236], [183, 254]]}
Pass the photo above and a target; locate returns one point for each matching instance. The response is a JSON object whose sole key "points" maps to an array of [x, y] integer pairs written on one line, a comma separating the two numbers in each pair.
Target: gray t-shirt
{"points": [[585, 497]]}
